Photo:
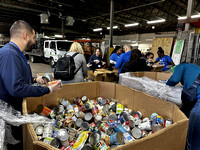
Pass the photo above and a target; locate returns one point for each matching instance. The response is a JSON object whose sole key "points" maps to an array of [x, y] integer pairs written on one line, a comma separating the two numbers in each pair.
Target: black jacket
{"points": [[135, 66]]}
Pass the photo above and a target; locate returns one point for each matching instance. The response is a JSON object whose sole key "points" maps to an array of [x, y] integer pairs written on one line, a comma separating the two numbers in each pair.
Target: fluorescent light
{"points": [[114, 27], [185, 17], [195, 16], [131, 25], [58, 36], [97, 29], [46, 37], [156, 21], [182, 18]]}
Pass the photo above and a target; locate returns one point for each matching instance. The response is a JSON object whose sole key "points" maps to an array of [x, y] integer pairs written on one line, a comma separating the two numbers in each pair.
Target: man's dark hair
{"points": [[148, 54], [19, 27], [160, 50]]}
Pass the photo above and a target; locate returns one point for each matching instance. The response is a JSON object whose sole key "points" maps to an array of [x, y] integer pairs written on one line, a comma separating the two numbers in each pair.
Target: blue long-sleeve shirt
{"points": [[122, 60], [114, 57], [186, 74], [15, 78]]}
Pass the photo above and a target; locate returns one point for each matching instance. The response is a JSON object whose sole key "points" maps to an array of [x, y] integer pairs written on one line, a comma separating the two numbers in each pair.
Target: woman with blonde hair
{"points": [[80, 63]]}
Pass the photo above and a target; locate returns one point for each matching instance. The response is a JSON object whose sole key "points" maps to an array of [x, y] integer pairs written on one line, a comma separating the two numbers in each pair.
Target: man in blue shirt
{"points": [[164, 60], [15, 72], [186, 74], [123, 58]]}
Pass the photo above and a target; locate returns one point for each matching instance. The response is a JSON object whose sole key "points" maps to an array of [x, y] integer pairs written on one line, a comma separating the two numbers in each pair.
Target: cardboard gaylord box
{"points": [[172, 137], [153, 75]]}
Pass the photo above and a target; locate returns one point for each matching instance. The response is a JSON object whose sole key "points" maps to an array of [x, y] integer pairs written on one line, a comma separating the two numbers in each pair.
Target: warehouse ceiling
{"points": [[90, 14]]}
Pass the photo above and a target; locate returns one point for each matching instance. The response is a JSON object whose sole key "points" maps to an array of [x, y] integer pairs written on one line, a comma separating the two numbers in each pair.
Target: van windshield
{"points": [[63, 45]]}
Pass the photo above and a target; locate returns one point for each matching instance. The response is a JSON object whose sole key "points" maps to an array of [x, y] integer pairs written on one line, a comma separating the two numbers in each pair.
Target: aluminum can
{"points": [[153, 115], [43, 110], [105, 137], [88, 105], [126, 127], [128, 137], [48, 131], [92, 127], [102, 101], [88, 116], [76, 108], [47, 77], [78, 101], [39, 130], [157, 123], [112, 117], [106, 128], [95, 110], [87, 147], [144, 133], [123, 117], [85, 126], [79, 121], [51, 141], [168, 122], [72, 134], [119, 128], [94, 137], [120, 108], [64, 102], [100, 145], [55, 132], [136, 133], [63, 135], [137, 114], [117, 139], [80, 142], [72, 124], [145, 126], [97, 118], [80, 114], [84, 99]]}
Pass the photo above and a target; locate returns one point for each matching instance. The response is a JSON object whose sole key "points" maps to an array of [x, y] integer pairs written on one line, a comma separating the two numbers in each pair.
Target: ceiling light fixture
{"points": [[114, 27], [131, 25], [97, 29], [58, 36], [185, 17], [156, 21]]}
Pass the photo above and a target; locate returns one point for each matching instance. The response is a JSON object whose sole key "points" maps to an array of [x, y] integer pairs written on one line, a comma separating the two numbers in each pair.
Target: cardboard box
{"points": [[169, 138], [96, 76], [157, 68], [153, 75], [108, 76]]}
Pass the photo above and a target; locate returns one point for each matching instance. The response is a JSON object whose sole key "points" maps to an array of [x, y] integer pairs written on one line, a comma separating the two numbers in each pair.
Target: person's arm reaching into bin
{"points": [[14, 82], [176, 76]]}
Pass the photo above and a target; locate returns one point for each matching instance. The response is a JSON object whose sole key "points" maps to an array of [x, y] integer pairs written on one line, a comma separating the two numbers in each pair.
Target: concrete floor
{"points": [[39, 68]]}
